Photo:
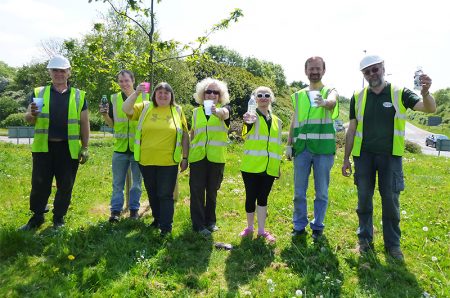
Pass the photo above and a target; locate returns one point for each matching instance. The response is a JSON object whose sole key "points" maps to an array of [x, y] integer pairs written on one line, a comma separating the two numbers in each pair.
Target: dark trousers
{"points": [[205, 178], [257, 189], [160, 183], [390, 183], [57, 163]]}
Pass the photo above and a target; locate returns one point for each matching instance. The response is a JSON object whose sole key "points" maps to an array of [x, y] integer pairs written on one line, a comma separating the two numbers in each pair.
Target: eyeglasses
{"points": [[215, 92], [261, 95], [374, 69]]}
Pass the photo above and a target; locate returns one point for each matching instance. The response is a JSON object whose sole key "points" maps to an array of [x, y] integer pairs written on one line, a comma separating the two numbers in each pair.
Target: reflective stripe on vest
{"points": [[313, 126], [262, 148], [124, 129], [176, 116], [398, 146], [210, 137], [76, 103]]}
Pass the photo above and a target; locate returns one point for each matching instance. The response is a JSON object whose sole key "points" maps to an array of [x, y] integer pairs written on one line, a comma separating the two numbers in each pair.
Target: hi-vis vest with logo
{"points": [[313, 126], [76, 103], [176, 116], [262, 148], [210, 137], [398, 146], [124, 129]]}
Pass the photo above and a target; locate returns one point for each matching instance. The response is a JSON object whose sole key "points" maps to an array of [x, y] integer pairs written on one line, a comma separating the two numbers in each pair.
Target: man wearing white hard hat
{"points": [[376, 140], [61, 133]]}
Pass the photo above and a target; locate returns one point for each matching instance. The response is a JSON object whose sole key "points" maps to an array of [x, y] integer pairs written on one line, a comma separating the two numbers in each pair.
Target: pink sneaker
{"points": [[268, 236], [246, 232]]}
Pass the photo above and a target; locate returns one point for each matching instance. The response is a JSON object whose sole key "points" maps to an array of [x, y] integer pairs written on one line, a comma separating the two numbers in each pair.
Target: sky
{"points": [[406, 34]]}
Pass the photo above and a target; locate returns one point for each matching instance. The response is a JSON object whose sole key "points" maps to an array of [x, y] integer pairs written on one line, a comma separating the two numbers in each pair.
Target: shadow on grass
{"points": [[317, 266], [66, 260], [246, 261], [392, 279]]}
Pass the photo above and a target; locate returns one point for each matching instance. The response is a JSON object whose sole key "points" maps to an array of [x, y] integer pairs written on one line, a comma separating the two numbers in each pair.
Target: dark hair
{"points": [[312, 59], [167, 87], [124, 71]]}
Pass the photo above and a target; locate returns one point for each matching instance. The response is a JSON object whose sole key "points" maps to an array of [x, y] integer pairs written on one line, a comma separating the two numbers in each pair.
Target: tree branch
{"points": [[127, 16]]}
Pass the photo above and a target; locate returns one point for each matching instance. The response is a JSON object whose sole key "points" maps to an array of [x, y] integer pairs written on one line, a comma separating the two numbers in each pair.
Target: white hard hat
{"points": [[369, 61], [58, 62]]}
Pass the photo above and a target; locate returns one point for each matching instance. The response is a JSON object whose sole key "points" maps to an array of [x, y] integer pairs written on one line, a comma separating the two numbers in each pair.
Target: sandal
{"points": [[267, 236], [246, 232]]}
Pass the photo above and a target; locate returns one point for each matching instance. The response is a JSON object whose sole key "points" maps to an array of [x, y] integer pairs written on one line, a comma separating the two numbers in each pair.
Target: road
{"points": [[413, 134]]}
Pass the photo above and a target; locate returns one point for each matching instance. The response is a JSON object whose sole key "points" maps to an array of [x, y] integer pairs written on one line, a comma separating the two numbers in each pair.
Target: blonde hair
{"points": [[201, 87], [266, 90]]}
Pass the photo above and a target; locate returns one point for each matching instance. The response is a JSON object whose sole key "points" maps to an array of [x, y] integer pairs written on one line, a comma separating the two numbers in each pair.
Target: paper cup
{"points": [[312, 96], [39, 103], [147, 87], [207, 103]]}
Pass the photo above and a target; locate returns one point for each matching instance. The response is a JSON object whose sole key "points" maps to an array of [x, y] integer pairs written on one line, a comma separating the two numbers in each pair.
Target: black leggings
{"points": [[257, 189]]}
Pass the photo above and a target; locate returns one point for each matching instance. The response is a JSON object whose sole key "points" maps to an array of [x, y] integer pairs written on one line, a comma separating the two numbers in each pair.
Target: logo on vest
{"points": [[387, 104]]}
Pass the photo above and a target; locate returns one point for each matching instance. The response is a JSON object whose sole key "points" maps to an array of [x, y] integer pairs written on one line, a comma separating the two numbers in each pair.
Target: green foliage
{"points": [[6, 71], [28, 77], [7, 106], [16, 119], [221, 54], [95, 121], [412, 147]]}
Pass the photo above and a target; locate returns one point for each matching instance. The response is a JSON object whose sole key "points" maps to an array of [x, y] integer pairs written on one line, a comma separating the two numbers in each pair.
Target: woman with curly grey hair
{"points": [[209, 137]]}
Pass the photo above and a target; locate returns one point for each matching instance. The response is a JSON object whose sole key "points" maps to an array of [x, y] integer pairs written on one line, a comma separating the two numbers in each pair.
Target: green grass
{"points": [[90, 257]]}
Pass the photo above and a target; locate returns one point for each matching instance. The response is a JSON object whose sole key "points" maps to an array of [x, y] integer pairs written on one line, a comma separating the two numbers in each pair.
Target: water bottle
{"points": [[417, 74], [104, 100], [251, 109]]}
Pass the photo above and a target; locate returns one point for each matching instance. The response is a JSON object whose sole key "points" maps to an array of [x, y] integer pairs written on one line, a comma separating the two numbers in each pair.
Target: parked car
{"points": [[338, 125], [432, 139]]}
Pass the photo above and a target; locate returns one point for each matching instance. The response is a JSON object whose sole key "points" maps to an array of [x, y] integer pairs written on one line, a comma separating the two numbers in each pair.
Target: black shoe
{"points": [[364, 246], [165, 233], [213, 228], [296, 233], [316, 234], [395, 252], [134, 214], [115, 217], [35, 222], [58, 222]]}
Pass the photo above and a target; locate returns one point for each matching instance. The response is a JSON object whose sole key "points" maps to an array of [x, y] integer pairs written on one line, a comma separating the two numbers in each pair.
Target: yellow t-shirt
{"points": [[159, 135]]}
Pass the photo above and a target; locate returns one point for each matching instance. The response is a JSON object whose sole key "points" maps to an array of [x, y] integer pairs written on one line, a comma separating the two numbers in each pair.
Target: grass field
{"points": [[90, 257]]}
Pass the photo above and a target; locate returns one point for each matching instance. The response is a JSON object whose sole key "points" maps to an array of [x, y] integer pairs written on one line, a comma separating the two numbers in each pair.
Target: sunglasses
{"points": [[373, 70], [261, 95], [215, 92]]}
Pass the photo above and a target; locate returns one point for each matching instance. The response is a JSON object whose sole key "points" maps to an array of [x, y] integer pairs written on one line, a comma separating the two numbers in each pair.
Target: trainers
{"points": [[268, 236], [316, 234], [58, 222], [213, 228], [205, 232], [165, 233], [395, 252], [246, 232], [297, 233], [115, 217], [364, 246], [33, 223], [134, 214]]}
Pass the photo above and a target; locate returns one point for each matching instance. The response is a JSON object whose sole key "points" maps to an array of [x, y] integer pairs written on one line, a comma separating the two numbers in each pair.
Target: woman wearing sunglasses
{"points": [[261, 162], [209, 138]]}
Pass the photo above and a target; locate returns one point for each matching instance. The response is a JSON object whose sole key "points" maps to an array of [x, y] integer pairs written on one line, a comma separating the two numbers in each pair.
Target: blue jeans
{"points": [[120, 164], [321, 164], [390, 183], [160, 184]]}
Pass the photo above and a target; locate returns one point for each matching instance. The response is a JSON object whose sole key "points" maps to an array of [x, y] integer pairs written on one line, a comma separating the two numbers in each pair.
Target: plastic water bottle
{"points": [[417, 75], [104, 100], [251, 109]]}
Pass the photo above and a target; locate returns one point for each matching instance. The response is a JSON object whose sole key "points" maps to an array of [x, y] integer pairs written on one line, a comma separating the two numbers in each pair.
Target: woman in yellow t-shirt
{"points": [[161, 145]]}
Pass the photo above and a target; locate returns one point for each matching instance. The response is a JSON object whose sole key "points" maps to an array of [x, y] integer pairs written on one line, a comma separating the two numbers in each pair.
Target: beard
{"points": [[375, 82], [314, 78]]}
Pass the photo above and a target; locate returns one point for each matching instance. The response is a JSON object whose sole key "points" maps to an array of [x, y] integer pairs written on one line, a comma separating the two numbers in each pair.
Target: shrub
{"points": [[96, 121], [412, 147], [340, 139], [7, 106], [16, 119]]}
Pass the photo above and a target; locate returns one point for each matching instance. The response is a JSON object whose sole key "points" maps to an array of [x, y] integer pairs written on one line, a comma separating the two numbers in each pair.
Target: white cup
{"points": [[312, 96], [39, 101], [207, 103]]}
